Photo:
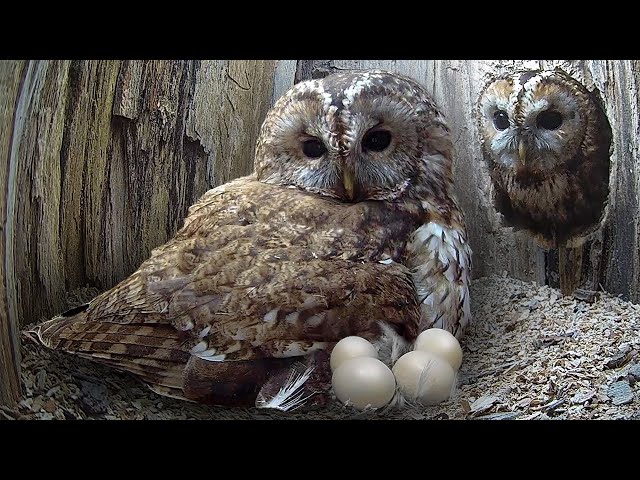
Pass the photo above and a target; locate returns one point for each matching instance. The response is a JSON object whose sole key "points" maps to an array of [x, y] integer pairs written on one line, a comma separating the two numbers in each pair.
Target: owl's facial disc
{"points": [[354, 137], [531, 123]]}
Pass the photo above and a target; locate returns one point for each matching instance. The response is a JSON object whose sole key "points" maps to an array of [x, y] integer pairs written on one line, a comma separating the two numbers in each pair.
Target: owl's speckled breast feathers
{"points": [[324, 241]]}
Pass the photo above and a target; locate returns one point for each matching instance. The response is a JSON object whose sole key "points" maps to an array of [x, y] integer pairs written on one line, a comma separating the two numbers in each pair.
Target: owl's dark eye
{"points": [[313, 148], [549, 120], [501, 120], [377, 140]]}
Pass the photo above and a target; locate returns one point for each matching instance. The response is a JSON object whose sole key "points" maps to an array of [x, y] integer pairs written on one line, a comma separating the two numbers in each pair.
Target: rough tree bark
{"points": [[103, 160], [11, 75]]}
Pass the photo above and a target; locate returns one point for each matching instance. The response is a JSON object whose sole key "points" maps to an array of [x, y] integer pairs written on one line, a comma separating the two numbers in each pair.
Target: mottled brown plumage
{"points": [[547, 140], [274, 268]]}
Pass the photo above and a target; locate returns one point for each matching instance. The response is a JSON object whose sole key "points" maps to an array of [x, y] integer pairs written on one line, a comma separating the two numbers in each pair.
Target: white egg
{"points": [[364, 381], [351, 347], [424, 377], [441, 343]]}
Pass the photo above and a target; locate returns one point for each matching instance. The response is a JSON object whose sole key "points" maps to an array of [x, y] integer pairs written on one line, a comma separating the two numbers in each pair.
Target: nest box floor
{"points": [[530, 354]]}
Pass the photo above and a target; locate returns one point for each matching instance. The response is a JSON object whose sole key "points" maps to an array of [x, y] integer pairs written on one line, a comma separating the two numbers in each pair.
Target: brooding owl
{"points": [[346, 227], [547, 140]]}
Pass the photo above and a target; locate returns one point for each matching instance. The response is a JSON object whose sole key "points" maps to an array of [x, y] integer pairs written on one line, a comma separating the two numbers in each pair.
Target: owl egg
{"points": [[351, 347], [441, 343], [362, 382], [424, 377]]}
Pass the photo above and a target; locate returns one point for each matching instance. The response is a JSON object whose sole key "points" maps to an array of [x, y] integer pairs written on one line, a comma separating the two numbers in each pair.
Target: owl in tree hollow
{"points": [[547, 140], [346, 227]]}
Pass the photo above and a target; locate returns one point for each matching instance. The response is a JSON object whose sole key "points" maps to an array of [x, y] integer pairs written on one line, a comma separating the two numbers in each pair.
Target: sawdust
{"points": [[530, 354]]}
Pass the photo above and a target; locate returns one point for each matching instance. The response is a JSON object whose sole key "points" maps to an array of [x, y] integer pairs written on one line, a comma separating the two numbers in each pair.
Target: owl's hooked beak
{"points": [[348, 180], [522, 153], [348, 171]]}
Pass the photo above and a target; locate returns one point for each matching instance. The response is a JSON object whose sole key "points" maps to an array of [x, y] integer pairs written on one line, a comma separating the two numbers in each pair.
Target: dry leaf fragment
{"points": [[583, 396], [500, 416], [50, 406], [620, 393], [483, 403]]}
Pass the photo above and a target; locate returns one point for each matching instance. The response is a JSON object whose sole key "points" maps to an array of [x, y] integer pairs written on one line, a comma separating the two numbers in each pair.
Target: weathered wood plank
{"points": [[145, 180], [11, 76], [283, 78], [33, 219], [109, 155], [619, 84], [230, 102], [84, 180]]}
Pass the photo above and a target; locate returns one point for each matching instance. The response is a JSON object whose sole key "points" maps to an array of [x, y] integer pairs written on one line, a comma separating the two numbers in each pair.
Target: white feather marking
{"points": [[199, 347], [326, 99], [387, 261], [440, 260], [233, 209], [426, 231], [450, 274], [293, 350], [205, 331], [390, 345], [351, 92], [424, 378], [439, 323], [213, 358], [290, 396], [209, 355], [296, 349]]}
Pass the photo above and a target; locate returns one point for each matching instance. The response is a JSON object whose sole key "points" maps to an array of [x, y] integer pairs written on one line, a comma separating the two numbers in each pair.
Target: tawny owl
{"points": [[347, 227], [547, 140]]}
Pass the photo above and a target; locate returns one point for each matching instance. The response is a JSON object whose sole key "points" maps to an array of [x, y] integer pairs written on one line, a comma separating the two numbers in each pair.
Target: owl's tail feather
{"points": [[152, 353], [156, 355]]}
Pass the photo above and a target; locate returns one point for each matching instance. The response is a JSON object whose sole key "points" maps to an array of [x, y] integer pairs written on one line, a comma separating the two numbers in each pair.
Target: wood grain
{"points": [[11, 79], [103, 160]]}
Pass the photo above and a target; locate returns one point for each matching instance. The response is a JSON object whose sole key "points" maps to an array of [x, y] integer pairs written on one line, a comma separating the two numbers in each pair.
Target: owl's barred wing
{"points": [[152, 352], [236, 298], [440, 258], [202, 301]]}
